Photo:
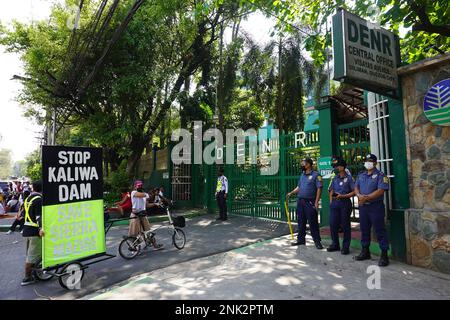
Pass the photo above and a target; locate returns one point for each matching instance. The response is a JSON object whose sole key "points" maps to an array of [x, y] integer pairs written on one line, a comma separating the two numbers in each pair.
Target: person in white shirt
{"points": [[221, 195], [13, 205], [138, 202]]}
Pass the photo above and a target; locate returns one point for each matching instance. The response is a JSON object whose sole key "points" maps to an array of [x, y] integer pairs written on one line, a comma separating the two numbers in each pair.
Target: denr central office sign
{"points": [[365, 54]]}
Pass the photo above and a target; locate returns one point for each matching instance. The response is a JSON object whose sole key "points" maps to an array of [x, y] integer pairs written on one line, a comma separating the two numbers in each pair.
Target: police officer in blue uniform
{"points": [[369, 188], [341, 190], [308, 190]]}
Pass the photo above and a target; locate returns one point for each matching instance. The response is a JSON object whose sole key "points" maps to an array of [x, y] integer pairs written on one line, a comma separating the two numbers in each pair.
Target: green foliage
{"points": [[245, 113], [117, 181], [33, 166], [427, 23], [165, 43]]}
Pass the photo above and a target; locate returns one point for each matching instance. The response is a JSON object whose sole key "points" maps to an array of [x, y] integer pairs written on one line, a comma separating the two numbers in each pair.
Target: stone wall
{"points": [[428, 153]]}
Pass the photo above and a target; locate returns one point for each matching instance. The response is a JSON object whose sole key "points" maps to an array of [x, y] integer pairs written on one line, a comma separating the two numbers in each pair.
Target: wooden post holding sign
{"points": [[73, 219]]}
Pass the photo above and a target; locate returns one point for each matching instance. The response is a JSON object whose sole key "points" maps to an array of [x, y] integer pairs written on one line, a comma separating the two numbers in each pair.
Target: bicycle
{"points": [[131, 246]]}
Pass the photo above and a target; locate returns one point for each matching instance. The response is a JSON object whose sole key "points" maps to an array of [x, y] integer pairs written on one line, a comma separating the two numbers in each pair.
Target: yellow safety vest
{"points": [[26, 206], [219, 185]]}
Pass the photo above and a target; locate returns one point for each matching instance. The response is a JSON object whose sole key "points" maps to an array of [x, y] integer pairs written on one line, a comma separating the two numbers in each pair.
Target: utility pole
{"points": [[328, 61], [54, 127], [280, 87]]}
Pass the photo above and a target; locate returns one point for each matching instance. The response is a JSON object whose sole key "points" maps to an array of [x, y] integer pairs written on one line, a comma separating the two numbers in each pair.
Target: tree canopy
{"points": [[127, 71]]}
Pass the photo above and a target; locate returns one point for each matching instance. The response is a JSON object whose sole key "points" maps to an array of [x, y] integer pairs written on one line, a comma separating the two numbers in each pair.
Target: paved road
{"points": [[275, 270], [205, 237]]}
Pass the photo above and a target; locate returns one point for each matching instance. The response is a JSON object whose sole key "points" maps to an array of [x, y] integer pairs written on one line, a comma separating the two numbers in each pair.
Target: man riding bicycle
{"points": [[138, 201]]}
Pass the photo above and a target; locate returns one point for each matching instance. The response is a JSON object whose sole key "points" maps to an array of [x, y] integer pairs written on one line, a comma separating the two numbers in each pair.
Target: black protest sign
{"points": [[71, 174]]}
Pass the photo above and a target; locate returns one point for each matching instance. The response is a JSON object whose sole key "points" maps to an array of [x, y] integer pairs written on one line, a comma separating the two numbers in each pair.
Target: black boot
{"points": [[298, 243], [384, 260], [333, 248], [364, 255]]}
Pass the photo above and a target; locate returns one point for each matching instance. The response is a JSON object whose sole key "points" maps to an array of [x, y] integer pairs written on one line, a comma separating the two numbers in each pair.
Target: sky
{"points": [[18, 133]]}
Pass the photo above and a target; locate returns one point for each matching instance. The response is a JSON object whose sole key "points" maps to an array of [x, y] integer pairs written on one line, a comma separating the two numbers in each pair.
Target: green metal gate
{"points": [[353, 145], [262, 196]]}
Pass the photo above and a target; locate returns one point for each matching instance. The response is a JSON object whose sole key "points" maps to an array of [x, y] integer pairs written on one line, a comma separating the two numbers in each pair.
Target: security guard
{"points": [[221, 195], [341, 190], [32, 231], [308, 190], [370, 187]]}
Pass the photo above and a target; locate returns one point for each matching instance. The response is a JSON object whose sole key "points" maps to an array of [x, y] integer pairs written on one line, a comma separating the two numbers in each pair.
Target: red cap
{"points": [[138, 184]]}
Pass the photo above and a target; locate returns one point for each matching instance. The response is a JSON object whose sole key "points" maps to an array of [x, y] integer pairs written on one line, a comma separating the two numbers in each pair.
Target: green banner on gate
{"points": [[72, 231]]}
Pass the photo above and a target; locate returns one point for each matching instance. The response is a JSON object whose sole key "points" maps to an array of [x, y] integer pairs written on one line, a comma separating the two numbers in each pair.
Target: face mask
{"points": [[139, 189], [368, 165], [303, 168], [336, 171]]}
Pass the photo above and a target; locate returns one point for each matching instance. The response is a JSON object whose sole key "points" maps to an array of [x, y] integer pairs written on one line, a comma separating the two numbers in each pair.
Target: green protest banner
{"points": [[73, 219]]}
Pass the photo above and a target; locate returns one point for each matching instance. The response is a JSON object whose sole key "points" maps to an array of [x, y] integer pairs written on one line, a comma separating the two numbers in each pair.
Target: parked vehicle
{"points": [[4, 186]]}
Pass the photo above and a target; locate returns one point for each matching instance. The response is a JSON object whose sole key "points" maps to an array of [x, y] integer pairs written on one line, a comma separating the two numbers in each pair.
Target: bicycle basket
{"points": [[179, 221]]}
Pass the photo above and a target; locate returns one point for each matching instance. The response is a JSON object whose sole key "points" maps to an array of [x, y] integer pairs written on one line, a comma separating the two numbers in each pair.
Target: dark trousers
{"points": [[307, 212], [340, 212], [373, 215], [16, 223], [222, 204]]}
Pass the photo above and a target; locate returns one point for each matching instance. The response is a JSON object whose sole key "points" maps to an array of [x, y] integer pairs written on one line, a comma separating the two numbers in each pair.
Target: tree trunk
{"points": [[137, 145], [114, 160]]}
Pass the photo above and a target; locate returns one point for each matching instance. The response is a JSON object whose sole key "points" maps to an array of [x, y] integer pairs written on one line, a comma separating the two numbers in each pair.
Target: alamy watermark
{"points": [[374, 279], [263, 147]]}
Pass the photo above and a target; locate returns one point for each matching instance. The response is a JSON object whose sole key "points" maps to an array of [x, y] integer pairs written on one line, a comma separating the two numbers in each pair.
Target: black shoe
{"points": [[318, 245], [333, 248], [364, 255], [298, 243], [219, 218], [345, 252], [28, 280], [384, 260]]}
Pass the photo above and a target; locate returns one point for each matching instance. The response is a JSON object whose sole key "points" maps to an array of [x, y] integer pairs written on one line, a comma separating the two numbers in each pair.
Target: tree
{"points": [[19, 168], [427, 22], [135, 84], [280, 77], [33, 165], [5, 163]]}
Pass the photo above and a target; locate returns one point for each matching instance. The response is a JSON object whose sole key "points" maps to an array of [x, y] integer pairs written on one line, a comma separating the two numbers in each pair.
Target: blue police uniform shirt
{"points": [[342, 185], [370, 183], [308, 184]]}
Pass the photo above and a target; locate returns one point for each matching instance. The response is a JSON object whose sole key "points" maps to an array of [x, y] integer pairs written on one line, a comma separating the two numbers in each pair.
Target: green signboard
{"points": [[364, 54], [73, 219], [325, 168]]}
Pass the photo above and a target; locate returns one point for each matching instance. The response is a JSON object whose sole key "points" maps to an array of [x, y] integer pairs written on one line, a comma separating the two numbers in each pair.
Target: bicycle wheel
{"points": [[71, 277], [178, 238], [129, 248], [41, 275]]}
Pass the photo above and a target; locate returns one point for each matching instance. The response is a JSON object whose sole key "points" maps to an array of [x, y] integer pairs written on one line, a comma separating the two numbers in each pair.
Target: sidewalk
{"points": [[274, 270], [205, 237]]}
